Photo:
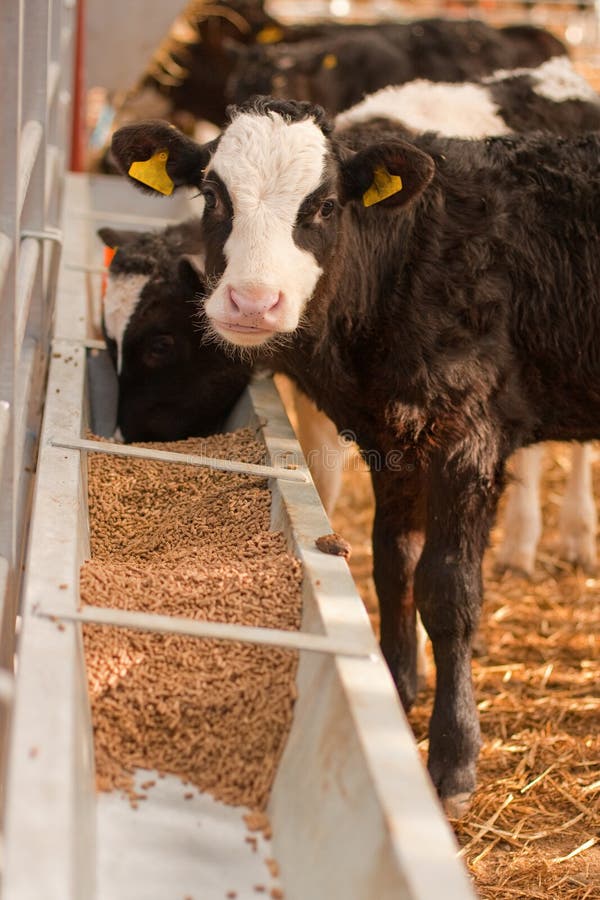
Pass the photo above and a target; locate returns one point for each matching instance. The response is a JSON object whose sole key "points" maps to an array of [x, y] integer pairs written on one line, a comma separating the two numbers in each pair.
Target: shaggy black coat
{"points": [[470, 327]]}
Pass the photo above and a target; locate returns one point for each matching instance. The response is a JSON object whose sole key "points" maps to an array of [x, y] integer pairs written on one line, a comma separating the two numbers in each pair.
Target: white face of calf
{"points": [[263, 171]]}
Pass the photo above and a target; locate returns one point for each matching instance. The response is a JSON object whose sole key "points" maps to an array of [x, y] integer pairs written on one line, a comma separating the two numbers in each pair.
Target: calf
{"points": [[338, 71], [555, 98], [550, 97], [440, 298], [171, 384]]}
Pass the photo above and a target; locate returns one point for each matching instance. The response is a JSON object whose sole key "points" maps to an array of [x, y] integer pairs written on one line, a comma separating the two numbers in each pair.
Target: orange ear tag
{"points": [[384, 185], [153, 172], [271, 34], [329, 61], [109, 252]]}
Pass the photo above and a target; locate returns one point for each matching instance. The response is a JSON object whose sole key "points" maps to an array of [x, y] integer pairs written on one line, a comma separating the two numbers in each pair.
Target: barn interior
{"points": [[146, 753]]}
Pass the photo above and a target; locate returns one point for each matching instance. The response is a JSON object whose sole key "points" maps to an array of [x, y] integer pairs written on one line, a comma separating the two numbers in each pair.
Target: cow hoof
{"points": [[580, 550], [518, 560], [458, 806]]}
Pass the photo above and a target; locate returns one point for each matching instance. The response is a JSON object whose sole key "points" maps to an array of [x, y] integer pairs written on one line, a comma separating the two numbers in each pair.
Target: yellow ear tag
{"points": [[384, 185], [329, 62], [153, 172], [271, 34]]}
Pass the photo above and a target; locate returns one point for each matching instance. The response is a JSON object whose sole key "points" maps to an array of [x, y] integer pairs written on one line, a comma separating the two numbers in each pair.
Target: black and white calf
{"points": [[552, 97], [438, 297], [172, 385]]}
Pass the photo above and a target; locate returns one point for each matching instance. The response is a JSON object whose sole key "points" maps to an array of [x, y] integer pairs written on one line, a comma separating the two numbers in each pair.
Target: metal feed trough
{"points": [[352, 810]]}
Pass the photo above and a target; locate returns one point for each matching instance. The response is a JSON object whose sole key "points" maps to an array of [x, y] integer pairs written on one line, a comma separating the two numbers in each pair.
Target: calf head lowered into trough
{"points": [[171, 384], [441, 299]]}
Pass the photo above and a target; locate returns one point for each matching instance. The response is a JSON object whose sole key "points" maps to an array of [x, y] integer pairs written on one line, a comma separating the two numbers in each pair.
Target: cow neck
{"points": [[335, 357]]}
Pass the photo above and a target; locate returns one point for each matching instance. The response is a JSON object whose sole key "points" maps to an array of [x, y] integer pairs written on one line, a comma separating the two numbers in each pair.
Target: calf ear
{"points": [[388, 174], [114, 237], [158, 158]]}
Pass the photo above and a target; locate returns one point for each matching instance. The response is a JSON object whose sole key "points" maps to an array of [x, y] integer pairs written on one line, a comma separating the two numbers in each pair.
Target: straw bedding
{"points": [[188, 541], [534, 827]]}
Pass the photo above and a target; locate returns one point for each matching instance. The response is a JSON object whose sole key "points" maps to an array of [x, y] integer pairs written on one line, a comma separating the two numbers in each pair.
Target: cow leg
{"points": [[523, 515], [397, 545], [578, 518], [448, 590], [323, 448], [422, 661]]}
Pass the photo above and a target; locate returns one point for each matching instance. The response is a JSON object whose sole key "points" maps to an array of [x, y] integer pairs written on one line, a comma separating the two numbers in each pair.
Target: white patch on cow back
{"points": [[122, 295], [556, 80], [457, 110], [268, 166]]}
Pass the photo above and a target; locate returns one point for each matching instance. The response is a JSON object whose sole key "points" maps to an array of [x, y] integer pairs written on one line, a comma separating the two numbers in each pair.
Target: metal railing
{"points": [[36, 56]]}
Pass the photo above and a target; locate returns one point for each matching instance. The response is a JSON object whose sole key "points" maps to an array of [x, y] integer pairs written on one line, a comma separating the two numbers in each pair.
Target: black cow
{"points": [[171, 384], [438, 297], [337, 71]]}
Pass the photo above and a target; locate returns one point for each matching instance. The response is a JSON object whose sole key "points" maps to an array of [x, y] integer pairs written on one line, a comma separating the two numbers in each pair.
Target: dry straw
{"points": [[533, 831]]}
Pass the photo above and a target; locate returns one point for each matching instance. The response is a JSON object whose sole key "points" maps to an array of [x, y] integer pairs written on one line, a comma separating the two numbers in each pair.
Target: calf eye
{"points": [[327, 207], [159, 350], [210, 198]]}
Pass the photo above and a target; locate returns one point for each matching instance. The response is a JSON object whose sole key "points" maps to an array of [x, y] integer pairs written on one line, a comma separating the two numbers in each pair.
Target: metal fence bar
{"points": [[30, 142], [6, 248], [29, 258], [35, 49]]}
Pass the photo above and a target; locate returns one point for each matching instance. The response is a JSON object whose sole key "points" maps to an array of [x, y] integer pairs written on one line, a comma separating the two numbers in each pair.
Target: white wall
{"points": [[121, 37]]}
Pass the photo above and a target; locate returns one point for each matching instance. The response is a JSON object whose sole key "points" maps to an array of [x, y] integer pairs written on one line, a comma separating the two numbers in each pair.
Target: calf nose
{"points": [[254, 301]]}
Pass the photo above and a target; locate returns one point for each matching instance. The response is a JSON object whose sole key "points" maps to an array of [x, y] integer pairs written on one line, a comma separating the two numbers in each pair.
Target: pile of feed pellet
{"points": [[187, 541]]}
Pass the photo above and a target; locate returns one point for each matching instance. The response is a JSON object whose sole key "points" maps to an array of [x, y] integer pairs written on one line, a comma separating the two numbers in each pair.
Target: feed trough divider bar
{"points": [[226, 631], [223, 465], [88, 343]]}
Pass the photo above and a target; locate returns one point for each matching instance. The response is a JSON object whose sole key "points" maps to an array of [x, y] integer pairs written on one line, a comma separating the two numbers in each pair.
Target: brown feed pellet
{"points": [[256, 821], [334, 544], [189, 541], [273, 867]]}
